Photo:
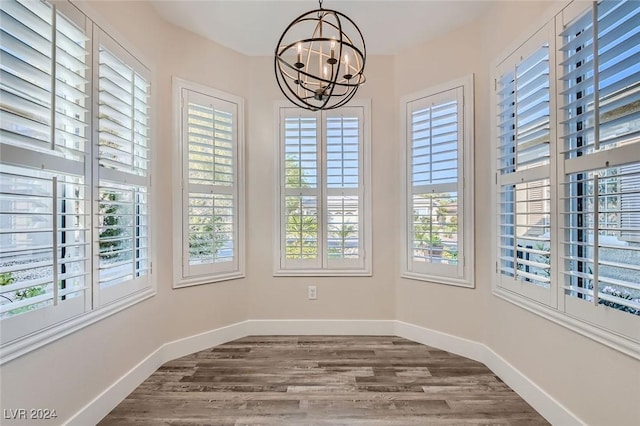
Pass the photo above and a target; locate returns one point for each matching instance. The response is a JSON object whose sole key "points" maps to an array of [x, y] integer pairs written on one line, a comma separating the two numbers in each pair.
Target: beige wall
{"points": [[89, 361], [444, 59], [338, 298]]}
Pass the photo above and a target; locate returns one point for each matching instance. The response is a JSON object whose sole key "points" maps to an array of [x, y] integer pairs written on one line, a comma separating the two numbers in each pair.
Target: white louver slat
{"points": [[210, 191], [44, 198], [600, 104], [435, 175], [524, 258], [322, 191]]}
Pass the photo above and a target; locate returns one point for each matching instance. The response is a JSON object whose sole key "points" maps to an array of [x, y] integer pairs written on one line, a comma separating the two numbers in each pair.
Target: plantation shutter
{"points": [[122, 226], [435, 180], [44, 223], [523, 177], [322, 191], [210, 193], [344, 188], [600, 104], [301, 243], [27, 62]]}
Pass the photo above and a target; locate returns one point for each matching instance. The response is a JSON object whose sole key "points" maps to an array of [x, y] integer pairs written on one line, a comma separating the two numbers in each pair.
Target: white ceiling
{"points": [[253, 27]]}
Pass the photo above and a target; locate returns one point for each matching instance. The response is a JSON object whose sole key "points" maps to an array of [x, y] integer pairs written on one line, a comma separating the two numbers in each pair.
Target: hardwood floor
{"points": [[323, 380]]}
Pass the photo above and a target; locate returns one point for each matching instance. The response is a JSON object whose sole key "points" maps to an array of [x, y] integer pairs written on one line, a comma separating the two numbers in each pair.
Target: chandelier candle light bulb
{"points": [[332, 60], [348, 75], [306, 80]]}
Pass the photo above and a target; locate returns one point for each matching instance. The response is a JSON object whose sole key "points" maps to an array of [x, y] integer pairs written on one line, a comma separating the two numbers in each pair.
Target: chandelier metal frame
{"points": [[308, 71]]}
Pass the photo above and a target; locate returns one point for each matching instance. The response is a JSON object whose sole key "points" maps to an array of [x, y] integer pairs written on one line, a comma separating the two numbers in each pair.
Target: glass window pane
{"points": [[301, 227], [435, 228], [343, 227], [211, 228]]}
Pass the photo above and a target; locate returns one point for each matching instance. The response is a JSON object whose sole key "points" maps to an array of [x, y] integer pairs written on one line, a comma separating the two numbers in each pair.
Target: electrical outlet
{"points": [[312, 292]]}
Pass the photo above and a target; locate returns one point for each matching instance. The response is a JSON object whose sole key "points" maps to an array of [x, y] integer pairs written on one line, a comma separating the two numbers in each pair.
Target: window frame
{"points": [[464, 275], [546, 296], [28, 160], [600, 159], [576, 319], [93, 310], [104, 296], [180, 248], [323, 265]]}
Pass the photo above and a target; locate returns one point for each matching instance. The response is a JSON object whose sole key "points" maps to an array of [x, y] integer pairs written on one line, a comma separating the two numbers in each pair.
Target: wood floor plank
{"points": [[323, 380]]}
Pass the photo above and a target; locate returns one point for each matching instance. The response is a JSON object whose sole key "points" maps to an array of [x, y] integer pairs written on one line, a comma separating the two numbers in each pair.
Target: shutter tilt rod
{"points": [[596, 239], [596, 80]]}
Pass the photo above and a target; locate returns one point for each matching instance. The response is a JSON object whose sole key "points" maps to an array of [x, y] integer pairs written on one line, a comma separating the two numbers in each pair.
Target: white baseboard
{"points": [[541, 401], [545, 404], [101, 405], [447, 342], [548, 407], [199, 342]]}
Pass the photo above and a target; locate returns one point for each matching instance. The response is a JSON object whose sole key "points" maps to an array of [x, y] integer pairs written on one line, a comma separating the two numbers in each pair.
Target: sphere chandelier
{"points": [[319, 60]]}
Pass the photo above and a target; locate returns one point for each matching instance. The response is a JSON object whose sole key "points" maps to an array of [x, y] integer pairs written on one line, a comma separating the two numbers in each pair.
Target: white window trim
{"points": [[532, 44], [24, 345], [615, 321], [592, 331], [365, 270], [179, 280], [466, 197], [105, 296]]}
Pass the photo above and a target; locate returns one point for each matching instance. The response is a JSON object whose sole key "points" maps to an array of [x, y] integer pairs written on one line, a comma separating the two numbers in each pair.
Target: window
{"points": [[567, 173], [438, 238], [323, 185], [123, 174], [524, 176], [209, 219], [600, 153], [54, 213]]}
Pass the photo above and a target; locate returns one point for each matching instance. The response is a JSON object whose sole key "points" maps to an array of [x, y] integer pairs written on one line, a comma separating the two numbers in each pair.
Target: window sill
{"points": [[16, 348], [322, 273], [606, 337], [436, 279], [209, 279]]}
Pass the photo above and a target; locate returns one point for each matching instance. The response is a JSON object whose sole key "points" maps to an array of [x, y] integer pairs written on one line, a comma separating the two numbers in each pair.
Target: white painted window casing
{"points": [[209, 128], [121, 196], [323, 185], [588, 165], [74, 188], [438, 209], [524, 161], [599, 154]]}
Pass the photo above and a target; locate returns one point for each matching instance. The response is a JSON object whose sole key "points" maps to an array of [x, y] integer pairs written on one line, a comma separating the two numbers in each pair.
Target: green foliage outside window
{"points": [[210, 238], [109, 240], [7, 278], [301, 226], [343, 233], [430, 229]]}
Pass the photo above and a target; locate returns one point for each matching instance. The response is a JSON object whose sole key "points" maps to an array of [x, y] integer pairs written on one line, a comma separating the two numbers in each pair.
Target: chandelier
{"points": [[319, 60]]}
